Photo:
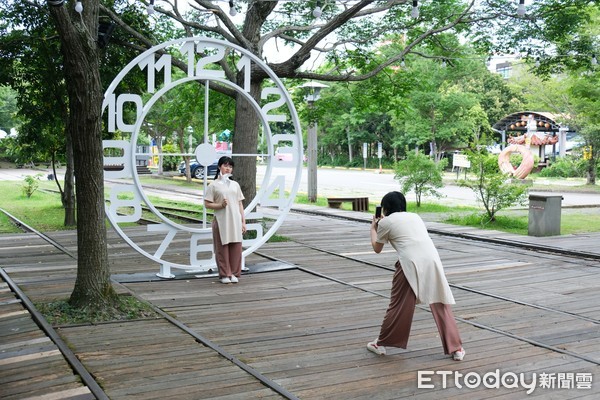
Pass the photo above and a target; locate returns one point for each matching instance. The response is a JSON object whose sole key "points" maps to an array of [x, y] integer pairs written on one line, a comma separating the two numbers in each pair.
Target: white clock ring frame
{"points": [[267, 188], [138, 125]]}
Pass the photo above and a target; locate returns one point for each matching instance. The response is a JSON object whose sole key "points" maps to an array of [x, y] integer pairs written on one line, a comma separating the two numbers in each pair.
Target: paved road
{"points": [[372, 184], [369, 183]]}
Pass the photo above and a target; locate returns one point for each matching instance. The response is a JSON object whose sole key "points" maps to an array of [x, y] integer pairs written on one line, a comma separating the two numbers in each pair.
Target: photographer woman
{"points": [[419, 278]]}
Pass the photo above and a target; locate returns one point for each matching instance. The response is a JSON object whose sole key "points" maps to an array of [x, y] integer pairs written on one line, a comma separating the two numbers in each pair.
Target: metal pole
{"points": [[562, 141], [312, 162]]}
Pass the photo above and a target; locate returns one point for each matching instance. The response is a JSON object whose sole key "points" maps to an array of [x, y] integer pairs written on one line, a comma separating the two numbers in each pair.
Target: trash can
{"points": [[544, 214]]}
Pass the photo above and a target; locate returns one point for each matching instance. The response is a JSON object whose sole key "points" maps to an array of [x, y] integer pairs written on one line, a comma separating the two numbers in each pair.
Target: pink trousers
{"points": [[395, 328], [228, 256]]}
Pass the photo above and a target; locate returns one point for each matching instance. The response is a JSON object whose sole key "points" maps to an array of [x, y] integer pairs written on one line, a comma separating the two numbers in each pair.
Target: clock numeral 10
{"points": [[115, 110]]}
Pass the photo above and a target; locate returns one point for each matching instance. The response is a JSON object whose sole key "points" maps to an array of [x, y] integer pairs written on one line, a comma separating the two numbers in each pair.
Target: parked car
{"points": [[197, 170], [285, 154]]}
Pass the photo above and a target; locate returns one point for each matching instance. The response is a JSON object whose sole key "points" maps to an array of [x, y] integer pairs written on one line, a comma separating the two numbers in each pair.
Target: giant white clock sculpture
{"points": [[125, 116]]}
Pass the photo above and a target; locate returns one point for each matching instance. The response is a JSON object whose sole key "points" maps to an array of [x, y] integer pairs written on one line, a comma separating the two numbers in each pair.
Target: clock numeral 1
{"points": [[125, 210], [245, 64]]}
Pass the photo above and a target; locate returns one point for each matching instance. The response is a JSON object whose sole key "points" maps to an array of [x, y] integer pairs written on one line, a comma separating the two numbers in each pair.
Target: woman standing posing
{"points": [[229, 224], [419, 278]]}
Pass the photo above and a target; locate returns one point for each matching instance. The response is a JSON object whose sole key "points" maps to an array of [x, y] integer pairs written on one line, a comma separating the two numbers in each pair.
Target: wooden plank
{"points": [[308, 333]]}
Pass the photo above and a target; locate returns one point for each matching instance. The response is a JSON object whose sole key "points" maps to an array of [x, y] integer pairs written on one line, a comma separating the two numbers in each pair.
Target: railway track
{"points": [[467, 292]]}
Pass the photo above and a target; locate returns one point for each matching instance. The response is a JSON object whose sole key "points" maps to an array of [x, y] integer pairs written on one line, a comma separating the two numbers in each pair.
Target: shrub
{"points": [[565, 167], [420, 174], [492, 188], [31, 184], [170, 163]]}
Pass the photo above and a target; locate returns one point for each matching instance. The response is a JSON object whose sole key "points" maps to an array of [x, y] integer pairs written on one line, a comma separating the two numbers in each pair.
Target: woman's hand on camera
{"points": [[375, 221]]}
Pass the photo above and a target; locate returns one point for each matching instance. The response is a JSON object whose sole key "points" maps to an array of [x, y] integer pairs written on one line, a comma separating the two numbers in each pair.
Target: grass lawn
{"points": [[573, 221], [42, 211]]}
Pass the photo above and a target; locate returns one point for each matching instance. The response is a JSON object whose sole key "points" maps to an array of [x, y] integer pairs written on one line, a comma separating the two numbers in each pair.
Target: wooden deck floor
{"points": [[305, 329]]}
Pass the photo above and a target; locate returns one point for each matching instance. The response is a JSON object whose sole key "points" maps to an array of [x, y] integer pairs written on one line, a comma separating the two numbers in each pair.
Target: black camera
{"points": [[378, 212]]}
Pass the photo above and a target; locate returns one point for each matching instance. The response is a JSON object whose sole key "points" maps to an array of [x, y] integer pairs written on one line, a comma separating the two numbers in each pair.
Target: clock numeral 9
{"points": [[124, 159]]}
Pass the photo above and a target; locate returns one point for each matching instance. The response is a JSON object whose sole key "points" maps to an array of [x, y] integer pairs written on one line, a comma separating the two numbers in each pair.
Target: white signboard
{"points": [[461, 161]]}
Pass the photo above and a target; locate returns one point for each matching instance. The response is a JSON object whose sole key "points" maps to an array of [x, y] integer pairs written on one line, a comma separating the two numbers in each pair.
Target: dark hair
{"points": [[224, 160], [393, 202]]}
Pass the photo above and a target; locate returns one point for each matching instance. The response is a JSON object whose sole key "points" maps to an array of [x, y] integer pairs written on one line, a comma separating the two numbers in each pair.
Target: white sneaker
{"points": [[225, 280], [379, 350], [459, 355], [234, 279], [245, 269]]}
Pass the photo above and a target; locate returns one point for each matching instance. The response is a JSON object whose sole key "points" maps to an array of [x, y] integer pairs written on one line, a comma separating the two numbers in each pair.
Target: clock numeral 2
{"points": [[266, 92]]}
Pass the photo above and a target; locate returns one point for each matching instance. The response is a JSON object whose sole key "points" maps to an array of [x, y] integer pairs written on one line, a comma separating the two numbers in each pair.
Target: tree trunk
{"points": [[188, 170], [591, 171], [78, 35], [349, 145], [245, 140], [159, 140], [68, 196]]}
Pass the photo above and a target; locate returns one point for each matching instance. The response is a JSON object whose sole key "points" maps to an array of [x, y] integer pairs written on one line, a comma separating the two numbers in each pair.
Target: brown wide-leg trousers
{"points": [[228, 256], [395, 328]]}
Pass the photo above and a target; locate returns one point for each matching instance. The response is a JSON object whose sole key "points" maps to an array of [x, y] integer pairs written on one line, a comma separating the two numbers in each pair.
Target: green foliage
{"points": [[44, 211], [565, 167], [9, 149], [8, 108], [170, 163], [125, 307], [491, 187], [517, 225], [32, 182], [420, 174]]}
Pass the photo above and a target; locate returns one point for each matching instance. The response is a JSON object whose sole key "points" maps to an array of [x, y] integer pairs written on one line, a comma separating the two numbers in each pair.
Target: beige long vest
{"points": [[418, 256]]}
